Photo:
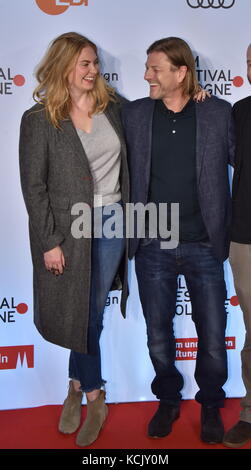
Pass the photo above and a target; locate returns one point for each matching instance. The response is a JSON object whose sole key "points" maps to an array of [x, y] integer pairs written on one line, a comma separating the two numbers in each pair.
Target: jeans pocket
{"points": [[206, 244], [145, 241]]}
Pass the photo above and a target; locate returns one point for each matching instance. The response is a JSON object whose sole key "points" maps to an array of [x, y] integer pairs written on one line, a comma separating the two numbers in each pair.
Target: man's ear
{"points": [[182, 73]]}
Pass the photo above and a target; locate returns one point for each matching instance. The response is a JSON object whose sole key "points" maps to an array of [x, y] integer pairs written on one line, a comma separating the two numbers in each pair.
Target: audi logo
{"points": [[210, 3]]}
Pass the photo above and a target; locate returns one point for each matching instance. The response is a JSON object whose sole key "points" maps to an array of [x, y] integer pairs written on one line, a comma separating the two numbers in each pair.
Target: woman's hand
{"points": [[201, 94], [54, 260]]}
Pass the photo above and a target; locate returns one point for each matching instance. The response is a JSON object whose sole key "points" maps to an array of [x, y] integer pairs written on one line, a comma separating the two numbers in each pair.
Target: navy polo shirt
{"points": [[173, 167]]}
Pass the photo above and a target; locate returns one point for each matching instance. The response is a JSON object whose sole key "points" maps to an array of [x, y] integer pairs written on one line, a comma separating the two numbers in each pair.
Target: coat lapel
{"points": [[70, 134], [244, 129], [145, 121], [113, 117], [201, 136]]}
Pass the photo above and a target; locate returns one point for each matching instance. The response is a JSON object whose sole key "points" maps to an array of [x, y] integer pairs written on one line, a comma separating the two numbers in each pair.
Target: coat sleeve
{"points": [[34, 167], [121, 99], [231, 139]]}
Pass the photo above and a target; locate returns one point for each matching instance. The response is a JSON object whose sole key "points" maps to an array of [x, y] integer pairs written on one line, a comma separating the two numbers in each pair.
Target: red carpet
{"points": [[125, 428]]}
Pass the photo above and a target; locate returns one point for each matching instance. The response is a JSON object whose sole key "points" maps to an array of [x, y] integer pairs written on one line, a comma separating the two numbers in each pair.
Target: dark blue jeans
{"points": [[106, 257], [157, 272]]}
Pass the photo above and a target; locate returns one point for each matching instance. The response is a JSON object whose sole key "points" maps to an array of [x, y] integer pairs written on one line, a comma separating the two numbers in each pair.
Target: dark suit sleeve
{"points": [[231, 138], [234, 111], [33, 160]]}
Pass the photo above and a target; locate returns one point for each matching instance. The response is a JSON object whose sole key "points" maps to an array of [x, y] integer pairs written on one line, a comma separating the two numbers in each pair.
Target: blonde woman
{"points": [[72, 151]]}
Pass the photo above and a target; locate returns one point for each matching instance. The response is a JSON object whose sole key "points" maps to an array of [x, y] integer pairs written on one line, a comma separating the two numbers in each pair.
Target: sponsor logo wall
{"points": [[57, 7], [211, 3], [12, 356], [8, 82], [122, 31]]}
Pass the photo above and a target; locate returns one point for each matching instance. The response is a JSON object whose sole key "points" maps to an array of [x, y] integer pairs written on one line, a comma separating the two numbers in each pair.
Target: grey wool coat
{"points": [[55, 174]]}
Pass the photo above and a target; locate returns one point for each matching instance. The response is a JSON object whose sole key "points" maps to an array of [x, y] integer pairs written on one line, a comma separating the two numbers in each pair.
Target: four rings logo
{"points": [[56, 7], [211, 3]]}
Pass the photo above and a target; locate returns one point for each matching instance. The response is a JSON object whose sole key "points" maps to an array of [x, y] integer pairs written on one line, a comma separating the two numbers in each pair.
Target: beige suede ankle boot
{"points": [[71, 413], [96, 414]]}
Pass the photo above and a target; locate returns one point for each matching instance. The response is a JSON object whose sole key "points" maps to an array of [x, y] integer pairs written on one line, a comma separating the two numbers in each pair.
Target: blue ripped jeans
{"points": [[106, 257]]}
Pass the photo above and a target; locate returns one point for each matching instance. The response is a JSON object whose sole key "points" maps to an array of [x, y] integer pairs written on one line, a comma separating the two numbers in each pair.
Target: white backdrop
{"points": [[33, 372]]}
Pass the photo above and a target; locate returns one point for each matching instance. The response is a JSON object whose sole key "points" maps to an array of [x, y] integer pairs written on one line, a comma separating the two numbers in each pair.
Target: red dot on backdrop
{"points": [[50, 7], [22, 308], [234, 301], [238, 81], [19, 80]]}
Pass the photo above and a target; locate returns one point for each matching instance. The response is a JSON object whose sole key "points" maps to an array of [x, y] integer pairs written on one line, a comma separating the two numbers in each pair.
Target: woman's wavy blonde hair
{"points": [[52, 75]]}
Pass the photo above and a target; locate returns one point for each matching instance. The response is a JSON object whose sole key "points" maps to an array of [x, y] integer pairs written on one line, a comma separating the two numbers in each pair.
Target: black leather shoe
{"points": [[161, 423], [238, 435], [212, 429]]}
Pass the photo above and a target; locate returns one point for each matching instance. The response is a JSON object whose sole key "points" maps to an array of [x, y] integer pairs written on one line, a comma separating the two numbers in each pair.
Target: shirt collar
{"points": [[187, 110]]}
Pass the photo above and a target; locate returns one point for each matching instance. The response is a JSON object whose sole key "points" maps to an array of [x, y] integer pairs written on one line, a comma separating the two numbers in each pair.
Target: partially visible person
{"points": [[72, 150], [240, 254], [178, 152]]}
